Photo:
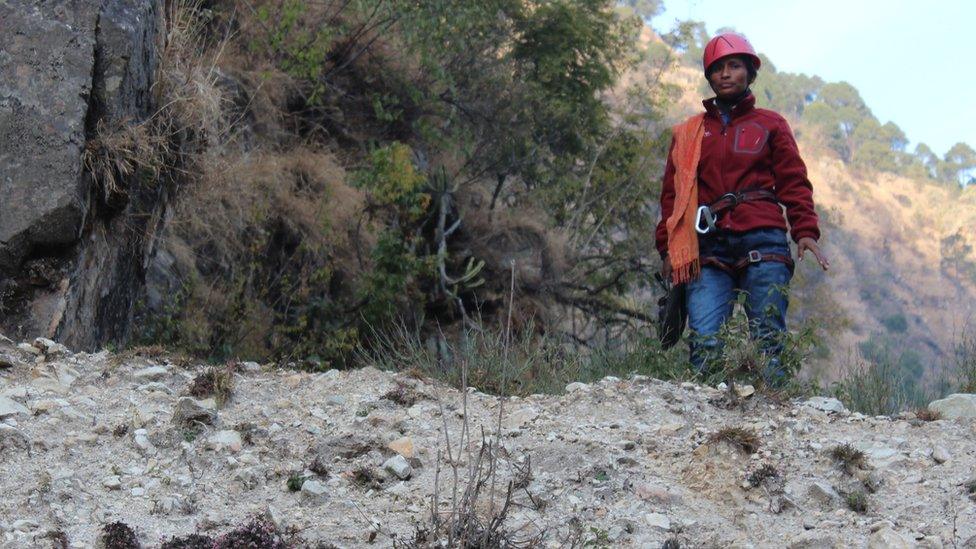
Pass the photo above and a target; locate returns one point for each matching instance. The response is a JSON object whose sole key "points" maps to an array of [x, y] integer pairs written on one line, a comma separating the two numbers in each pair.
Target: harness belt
{"points": [[728, 202], [754, 256], [709, 213]]}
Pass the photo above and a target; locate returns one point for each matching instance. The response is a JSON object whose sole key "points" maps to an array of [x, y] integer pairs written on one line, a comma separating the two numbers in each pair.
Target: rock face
{"points": [[70, 264]]}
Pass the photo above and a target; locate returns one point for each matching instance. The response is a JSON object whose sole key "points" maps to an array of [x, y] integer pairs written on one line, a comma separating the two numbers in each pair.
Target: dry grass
{"points": [[848, 457], [187, 122], [115, 154], [924, 414], [763, 474], [738, 437], [216, 382]]}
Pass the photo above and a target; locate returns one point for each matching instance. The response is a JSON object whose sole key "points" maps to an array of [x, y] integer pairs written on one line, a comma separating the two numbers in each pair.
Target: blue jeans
{"points": [[712, 296]]}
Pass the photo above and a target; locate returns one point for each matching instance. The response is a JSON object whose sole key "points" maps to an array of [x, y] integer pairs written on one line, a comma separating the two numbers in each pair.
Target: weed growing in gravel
{"points": [[260, 533], [318, 467], [59, 540], [295, 481], [192, 541], [118, 535], [848, 457], [970, 488], [741, 438], [761, 475], [671, 543], [857, 500], [403, 395], [366, 477], [216, 382], [924, 414]]}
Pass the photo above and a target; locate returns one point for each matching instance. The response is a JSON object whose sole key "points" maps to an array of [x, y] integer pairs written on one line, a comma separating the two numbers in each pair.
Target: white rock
{"points": [[24, 525], [335, 400], [226, 440], [823, 492], [50, 348], [398, 466], [825, 404], [138, 491], [141, 438], [152, 373], [251, 367], [745, 391], [657, 520], [576, 386], [886, 538], [9, 407], [112, 483], [11, 437], [155, 387], [518, 418], [28, 348], [314, 489], [958, 405], [940, 454]]}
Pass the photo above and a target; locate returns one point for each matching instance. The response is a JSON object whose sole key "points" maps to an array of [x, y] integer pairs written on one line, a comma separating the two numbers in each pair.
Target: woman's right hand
{"points": [[666, 268]]}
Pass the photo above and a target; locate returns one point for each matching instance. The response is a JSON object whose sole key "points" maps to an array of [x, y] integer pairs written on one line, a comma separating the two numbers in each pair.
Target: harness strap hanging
{"points": [[754, 256]]}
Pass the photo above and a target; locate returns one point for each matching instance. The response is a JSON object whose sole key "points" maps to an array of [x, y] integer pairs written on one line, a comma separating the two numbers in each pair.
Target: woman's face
{"points": [[729, 77]]}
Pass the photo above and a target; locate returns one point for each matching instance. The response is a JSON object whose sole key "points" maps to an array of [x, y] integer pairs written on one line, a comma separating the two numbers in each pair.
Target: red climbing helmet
{"points": [[725, 44]]}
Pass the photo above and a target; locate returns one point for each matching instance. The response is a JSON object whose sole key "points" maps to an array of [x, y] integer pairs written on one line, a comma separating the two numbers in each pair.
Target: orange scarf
{"points": [[682, 238]]}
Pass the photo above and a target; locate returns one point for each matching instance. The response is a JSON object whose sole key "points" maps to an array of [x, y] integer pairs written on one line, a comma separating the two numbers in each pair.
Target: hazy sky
{"points": [[913, 61]]}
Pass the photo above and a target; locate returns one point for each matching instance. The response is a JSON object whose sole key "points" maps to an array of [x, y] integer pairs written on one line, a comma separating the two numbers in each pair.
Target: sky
{"points": [[914, 62]]}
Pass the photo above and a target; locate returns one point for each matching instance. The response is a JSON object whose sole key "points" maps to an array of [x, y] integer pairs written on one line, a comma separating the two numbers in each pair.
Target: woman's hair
{"points": [[746, 60]]}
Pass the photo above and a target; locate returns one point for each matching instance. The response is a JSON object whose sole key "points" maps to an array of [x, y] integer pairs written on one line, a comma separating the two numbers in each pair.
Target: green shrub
{"points": [[895, 323], [873, 387]]}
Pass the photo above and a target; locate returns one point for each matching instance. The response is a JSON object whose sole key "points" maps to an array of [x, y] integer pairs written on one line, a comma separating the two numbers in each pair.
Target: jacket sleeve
{"points": [[793, 188], [667, 205]]}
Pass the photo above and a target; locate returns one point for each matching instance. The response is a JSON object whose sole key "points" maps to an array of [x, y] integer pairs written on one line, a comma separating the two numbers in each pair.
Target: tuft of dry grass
{"points": [[403, 395], [366, 477], [216, 382], [117, 152], [738, 437], [760, 476], [924, 414], [848, 457]]}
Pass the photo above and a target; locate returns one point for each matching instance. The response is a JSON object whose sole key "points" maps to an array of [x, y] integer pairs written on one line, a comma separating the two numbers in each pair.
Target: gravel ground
{"points": [[92, 439]]}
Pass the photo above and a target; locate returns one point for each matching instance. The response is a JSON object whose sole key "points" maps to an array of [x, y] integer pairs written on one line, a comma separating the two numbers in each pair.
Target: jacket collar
{"points": [[744, 105]]}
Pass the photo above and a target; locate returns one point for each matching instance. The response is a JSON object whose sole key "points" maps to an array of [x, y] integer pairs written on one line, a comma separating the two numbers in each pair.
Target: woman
{"points": [[722, 228]]}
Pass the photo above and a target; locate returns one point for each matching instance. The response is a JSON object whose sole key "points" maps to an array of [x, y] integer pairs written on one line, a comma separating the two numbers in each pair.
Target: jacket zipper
{"points": [[725, 146]]}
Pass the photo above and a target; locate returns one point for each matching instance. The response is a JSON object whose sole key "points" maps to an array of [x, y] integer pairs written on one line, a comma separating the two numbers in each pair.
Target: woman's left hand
{"points": [[807, 243]]}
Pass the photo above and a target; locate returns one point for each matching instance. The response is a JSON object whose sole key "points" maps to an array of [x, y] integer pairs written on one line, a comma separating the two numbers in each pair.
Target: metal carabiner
{"points": [[704, 211]]}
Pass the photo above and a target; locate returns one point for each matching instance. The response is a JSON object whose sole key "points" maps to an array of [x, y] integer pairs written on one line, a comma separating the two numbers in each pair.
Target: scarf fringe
{"points": [[686, 273]]}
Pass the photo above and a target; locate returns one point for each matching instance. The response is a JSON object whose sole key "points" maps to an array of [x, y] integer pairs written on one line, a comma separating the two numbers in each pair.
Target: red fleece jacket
{"points": [[756, 150]]}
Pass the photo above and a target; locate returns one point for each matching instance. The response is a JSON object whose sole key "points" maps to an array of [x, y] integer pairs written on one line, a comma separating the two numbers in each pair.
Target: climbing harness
{"points": [[710, 214], [727, 202]]}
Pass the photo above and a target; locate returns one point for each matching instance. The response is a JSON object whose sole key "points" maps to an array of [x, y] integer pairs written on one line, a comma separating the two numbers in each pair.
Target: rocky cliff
{"points": [[72, 255]]}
